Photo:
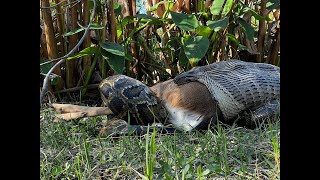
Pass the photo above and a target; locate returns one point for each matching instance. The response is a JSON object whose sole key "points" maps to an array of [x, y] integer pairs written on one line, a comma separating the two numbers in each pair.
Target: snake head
{"points": [[189, 76], [123, 94]]}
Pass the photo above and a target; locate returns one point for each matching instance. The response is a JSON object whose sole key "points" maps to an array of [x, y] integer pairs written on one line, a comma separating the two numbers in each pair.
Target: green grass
{"points": [[74, 150]]}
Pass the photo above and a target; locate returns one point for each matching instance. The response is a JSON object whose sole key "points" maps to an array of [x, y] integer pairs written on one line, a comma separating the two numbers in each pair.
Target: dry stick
{"points": [[46, 79]]}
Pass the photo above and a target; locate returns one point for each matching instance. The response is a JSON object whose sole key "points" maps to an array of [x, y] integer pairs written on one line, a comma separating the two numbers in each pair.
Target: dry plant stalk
{"points": [[71, 71], [87, 41], [51, 42]]}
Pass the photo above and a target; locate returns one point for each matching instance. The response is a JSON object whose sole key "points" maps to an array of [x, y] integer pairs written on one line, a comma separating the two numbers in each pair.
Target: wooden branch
{"points": [[87, 41], [275, 48], [63, 59], [71, 65], [67, 112], [261, 32], [113, 32], [61, 29]]}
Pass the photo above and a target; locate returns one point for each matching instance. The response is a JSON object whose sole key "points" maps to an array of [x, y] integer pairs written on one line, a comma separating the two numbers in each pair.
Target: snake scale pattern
{"points": [[250, 90]]}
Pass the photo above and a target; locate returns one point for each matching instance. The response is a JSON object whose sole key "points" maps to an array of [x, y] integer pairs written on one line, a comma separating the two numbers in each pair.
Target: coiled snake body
{"points": [[194, 99]]}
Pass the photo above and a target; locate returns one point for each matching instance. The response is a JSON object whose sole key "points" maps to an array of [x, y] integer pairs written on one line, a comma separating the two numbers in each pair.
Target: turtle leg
{"points": [[266, 112], [117, 127]]}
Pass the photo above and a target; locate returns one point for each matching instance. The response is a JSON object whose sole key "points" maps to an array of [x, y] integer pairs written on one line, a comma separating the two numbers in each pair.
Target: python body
{"points": [[195, 99]]}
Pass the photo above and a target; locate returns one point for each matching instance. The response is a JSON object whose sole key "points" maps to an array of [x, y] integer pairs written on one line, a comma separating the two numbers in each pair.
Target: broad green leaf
{"points": [[183, 60], [113, 48], [195, 48], [117, 63], [187, 22], [203, 31], [84, 52], [155, 7], [247, 28], [93, 26], [217, 6], [219, 24], [117, 8]]}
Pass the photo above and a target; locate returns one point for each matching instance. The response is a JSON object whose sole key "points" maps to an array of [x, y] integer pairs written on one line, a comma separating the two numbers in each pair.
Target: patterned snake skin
{"points": [[123, 94], [250, 89], [237, 85]]}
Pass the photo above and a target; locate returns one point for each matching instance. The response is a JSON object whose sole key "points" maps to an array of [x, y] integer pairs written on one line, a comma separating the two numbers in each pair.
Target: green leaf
{"points": [[203, 31], [217, 6], [128, 57], [117, 63], [144, 16], [73, 32], [155, 7], [187, 22], [93, 26], [127, 20], [186, 168], [117, 8], [113, 48], [219, 24], [254, 13], [232, 38], [273, 4], [242, 47], [207, 171], [195, 48], [84, 52], [46, 67], [247, 28], [183, 60], [215, 168], [96, 26]]}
